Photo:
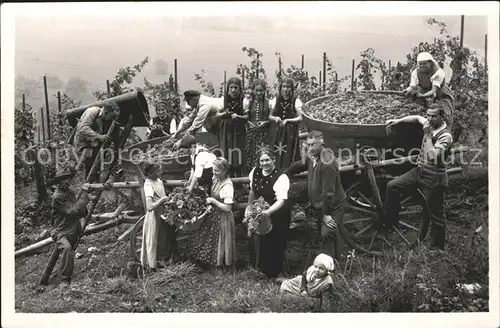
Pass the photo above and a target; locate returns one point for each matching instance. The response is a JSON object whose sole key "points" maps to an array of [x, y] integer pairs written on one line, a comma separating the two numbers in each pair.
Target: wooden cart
{"points": [[365, 182]]}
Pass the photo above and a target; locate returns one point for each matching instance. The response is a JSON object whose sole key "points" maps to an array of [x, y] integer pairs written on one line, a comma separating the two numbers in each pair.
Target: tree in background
{"points": [[368, 66], [76, 88], [256, 67], [207, 87], [53, 82], [31, 88]]}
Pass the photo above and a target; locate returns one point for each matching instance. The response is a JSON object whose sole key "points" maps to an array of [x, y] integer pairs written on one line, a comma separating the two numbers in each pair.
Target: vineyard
{"points": [[106, 279]]}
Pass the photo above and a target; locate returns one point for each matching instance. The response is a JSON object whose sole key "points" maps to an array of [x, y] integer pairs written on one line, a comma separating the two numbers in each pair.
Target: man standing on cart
{"points": [[430, 174], [90, 133], [325, 190], [206, 111]]}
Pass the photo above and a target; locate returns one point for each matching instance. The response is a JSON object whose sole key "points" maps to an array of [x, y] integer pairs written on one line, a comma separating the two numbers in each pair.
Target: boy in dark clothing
{"points": [[324, 188], [66, 226]]}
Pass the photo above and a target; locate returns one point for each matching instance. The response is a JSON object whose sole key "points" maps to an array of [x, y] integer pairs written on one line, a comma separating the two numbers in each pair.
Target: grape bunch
{"points": [[253, 215], [161, 152], [364, 108]]}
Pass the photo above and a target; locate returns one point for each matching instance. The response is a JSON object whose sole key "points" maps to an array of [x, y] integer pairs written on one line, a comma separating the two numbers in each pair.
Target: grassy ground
{"points": [[419, 280]]}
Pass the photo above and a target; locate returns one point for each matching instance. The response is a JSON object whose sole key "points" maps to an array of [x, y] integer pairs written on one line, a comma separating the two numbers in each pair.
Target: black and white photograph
{"points": [[319, 158]]}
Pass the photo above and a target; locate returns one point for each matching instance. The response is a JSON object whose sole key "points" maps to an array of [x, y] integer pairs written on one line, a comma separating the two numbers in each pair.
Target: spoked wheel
{"points": [[135, 241], [360, 225]]}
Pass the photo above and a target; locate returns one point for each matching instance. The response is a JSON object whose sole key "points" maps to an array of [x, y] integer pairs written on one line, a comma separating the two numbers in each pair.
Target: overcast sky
{"points": [[95, 49]]}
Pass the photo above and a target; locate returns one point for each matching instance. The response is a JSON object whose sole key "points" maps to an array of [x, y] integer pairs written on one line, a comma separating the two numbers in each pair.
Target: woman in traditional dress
{"points": [[214, 243], [156, 234], [164, 124], [231, 126], [267, 251], [258, 123], [286, 115], [428, 82]]}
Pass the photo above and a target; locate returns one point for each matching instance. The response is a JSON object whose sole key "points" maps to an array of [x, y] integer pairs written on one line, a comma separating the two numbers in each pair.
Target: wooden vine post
{"points": [[47, 108], [352, 75], [176, 80]]}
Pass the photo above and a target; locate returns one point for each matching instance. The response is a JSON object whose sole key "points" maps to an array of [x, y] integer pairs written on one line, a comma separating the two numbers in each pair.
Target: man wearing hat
{"points": [[91, 132], [325, 190], [206, 111], [66, 214]]}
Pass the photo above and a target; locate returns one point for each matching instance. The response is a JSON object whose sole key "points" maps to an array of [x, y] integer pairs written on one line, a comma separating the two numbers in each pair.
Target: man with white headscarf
{"points": [[428, 81]]}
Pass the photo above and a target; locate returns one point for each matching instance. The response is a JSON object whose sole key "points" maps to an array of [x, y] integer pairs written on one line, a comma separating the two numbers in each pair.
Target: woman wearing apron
{"points": [[286, 114], [267, 251], [157, 235], [231, 126], [214, 243], [258, 123]]}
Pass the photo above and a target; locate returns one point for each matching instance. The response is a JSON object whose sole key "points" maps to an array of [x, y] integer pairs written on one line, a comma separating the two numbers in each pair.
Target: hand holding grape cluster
{"points": [[254, 214]]}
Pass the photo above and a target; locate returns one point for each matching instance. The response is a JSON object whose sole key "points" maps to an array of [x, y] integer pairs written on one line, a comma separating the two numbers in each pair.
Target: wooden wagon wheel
{"points": [[135, 241], [359, 226]]}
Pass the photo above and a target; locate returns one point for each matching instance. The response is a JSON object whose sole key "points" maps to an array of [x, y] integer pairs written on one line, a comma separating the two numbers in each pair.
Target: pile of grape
{"points": [[183, 205], [364, 108], [160, 152]]}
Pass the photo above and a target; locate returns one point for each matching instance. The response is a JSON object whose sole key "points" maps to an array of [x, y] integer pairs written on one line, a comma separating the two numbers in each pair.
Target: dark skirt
{"points": [[285, 140], [267, 252], [256, 138], [166, 240], [231, 138]]}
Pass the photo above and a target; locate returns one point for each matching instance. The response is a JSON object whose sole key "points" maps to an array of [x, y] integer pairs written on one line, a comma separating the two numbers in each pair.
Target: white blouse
{"points": [[227, 194], [203, 161], [298, 104], [173, 127], [436, 79], [149, 186], [280, 187]]}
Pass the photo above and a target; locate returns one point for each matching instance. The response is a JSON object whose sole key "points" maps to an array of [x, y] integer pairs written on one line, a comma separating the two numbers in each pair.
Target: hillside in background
{"points": [[94, 50]]}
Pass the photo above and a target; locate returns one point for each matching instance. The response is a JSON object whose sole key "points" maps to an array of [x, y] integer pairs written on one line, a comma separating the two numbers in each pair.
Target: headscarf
{"points": [[326, 261], [425, 56]]}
